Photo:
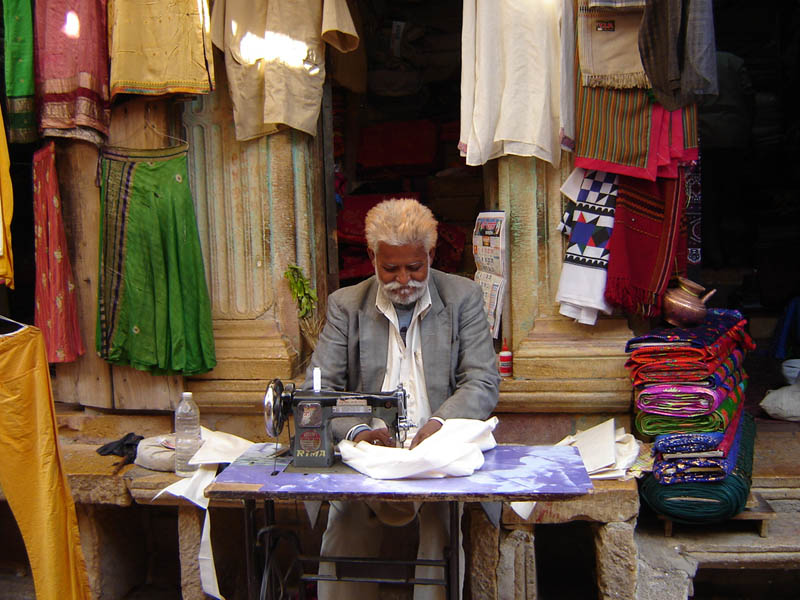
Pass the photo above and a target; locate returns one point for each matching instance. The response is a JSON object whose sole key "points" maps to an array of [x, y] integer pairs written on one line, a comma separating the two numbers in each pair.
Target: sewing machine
{"points": [[313, 411]]}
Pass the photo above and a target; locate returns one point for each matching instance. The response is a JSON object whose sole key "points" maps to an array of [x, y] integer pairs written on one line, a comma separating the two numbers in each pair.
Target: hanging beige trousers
{"points": [[31, 471]]}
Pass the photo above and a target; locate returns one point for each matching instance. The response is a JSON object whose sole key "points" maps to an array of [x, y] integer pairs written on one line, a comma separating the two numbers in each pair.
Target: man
{"points": [[413, 325]]}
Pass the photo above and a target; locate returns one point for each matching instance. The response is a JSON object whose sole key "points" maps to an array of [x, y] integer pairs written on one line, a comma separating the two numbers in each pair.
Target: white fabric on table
{"points": [[455, 450], [357, 528]]}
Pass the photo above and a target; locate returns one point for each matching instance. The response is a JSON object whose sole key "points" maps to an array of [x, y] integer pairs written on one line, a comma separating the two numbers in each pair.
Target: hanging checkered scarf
{"points": [[588, 222]]}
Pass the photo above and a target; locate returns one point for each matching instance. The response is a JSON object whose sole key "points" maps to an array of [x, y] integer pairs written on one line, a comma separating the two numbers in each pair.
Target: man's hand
{"points": [[431, 427], [379, 437]]}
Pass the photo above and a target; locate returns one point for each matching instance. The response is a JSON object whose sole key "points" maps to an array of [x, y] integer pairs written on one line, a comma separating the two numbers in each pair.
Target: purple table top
{"points": [[509, 473]]}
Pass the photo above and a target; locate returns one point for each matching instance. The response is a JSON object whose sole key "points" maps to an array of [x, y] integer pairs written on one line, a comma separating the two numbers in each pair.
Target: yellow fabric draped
{"points": [[31, 469], [7, 208]]}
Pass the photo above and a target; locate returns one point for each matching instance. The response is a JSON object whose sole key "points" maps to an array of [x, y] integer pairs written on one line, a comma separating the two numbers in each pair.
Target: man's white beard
{"points": [[406, 294]]}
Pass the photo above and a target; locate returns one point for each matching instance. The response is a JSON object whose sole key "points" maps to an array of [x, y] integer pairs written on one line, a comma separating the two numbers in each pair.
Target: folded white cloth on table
{"points": [[455, 450]]}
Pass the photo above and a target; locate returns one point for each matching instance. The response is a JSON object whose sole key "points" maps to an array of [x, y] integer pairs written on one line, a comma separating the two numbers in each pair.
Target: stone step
{"points": [[93, 426], [736, 544], [17, 587]]}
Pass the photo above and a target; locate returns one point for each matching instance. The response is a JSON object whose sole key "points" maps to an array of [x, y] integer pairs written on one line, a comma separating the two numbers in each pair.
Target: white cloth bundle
{"points": [[783, 403], [455, 450]]}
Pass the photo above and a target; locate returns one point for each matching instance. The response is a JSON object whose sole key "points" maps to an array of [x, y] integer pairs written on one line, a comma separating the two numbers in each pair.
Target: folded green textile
{"points": [[707, 502]]}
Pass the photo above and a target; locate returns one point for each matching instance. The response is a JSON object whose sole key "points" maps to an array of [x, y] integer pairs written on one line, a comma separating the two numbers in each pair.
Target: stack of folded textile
{"points": [[690, 388], [707, 501]]}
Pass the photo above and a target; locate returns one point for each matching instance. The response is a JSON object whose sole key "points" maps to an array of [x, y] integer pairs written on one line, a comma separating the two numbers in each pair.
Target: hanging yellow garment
{"points": [[6, 211], [31, 469]]}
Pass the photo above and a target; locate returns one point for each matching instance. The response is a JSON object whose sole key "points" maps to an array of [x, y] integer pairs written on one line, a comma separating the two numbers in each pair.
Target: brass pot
{"points": [[683, 305]]}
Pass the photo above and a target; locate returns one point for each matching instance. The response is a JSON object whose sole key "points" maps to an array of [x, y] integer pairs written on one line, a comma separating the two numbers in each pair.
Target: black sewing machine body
{"points": [[312, 444]]}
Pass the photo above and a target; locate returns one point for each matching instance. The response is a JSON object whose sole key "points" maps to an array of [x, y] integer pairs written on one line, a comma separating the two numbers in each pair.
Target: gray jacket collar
{"points": [[435, 330]]}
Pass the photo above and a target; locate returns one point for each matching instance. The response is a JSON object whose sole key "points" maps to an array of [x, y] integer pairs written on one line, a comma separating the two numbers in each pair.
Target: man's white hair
{"points": [[400, 222]]}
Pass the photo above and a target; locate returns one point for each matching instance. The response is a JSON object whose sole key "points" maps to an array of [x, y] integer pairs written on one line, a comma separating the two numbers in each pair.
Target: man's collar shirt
{"points": [[404, 357]]}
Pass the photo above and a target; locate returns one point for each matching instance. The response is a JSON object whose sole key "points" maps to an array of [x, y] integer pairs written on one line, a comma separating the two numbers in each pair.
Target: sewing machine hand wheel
{"points": [[275, 406]]}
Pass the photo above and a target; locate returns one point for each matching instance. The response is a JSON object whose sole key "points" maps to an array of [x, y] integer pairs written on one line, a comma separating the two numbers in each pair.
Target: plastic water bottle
{"points": [[187, 434]]}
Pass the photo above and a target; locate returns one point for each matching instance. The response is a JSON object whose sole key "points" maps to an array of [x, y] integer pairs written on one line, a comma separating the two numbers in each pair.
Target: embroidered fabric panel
{"points": [[592, 220]]}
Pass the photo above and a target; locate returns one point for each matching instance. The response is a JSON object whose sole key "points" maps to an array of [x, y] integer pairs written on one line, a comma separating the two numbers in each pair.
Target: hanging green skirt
{"points": [[154, 311]]}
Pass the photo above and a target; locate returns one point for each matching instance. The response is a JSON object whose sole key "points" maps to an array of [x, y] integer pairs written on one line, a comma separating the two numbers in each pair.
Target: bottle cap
{"points": [[186, 395], [505, 345]]}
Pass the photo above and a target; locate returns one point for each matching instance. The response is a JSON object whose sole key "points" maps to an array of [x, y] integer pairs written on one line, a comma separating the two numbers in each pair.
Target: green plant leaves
{"points": [[303, 294]]}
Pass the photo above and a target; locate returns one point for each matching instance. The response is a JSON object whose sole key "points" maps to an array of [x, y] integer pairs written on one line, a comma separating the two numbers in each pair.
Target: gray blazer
{"points": [[457, 351]]}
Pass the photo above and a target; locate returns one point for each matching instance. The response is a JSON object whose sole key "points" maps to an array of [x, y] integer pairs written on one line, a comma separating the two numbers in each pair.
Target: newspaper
{"points": [[489, 243]]}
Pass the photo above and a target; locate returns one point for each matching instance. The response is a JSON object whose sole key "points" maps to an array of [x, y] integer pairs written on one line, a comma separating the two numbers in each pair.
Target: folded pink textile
{"points": [[685, 400]]}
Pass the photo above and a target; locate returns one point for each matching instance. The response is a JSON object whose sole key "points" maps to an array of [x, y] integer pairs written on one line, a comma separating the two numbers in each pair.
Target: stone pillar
{"points": [[190, 530], [616, 560], [114, 549], [259, 209], [559, 366], [516, 571], [481, 541]]}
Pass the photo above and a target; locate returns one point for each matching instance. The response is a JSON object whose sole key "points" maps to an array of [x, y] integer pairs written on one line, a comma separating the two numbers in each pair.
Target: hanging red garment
{"points": [[55, 312], [648, 244], [71, 67]]}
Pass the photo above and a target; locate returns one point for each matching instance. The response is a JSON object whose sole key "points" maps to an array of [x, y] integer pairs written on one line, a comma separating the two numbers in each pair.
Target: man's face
{"points": [[402, 270]]}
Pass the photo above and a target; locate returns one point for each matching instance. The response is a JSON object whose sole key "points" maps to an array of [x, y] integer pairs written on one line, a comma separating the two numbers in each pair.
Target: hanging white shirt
{"points": [[404, 360], [517, 80]]}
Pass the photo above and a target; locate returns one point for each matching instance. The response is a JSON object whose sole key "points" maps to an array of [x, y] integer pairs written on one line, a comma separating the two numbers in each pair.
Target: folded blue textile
{"points": [[671, 443], [688, 470], [717, 323]]}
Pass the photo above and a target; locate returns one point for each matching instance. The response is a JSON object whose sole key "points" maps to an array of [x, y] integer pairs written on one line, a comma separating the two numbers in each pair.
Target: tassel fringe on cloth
{"points": [[608, 49]]}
